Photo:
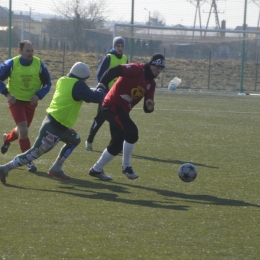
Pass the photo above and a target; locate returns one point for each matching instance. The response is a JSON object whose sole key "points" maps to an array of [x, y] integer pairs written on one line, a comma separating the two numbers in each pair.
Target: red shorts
{"points": [[22, 111]]}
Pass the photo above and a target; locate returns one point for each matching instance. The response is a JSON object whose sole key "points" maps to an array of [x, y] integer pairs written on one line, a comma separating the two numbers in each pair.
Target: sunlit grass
{"points": [[156, 216]]}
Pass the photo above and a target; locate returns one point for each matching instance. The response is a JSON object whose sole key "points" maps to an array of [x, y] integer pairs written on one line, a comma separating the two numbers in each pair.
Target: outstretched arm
{"points": [[112, 73], [82, 92]]}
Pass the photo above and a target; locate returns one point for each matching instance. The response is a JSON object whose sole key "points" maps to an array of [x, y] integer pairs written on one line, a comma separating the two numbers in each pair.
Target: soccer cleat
{"points": [[88, 146], [5, 146], [59, 174], [129, 172], [31, 167], [3, 174], [101, 175]]}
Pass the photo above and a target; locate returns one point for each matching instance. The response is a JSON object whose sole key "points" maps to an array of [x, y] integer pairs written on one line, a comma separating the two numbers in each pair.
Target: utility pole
{"points": [[10, 30], [257, 2], [30, 20], [149, 21], [243, 53], [213, 9], [132, 32], [30, 15], [197, 4]]}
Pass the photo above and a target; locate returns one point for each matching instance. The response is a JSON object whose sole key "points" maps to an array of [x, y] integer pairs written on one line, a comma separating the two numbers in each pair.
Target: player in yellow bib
{"points": [[28, 82], [71, 91]]}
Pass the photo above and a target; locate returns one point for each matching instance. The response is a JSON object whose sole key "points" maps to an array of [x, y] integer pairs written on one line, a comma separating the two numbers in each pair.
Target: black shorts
{"points": [[122, 128]]}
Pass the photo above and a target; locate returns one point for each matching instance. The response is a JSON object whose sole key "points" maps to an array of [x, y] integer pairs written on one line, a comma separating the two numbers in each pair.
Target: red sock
{"points": [[10, 137], [24, 144]]}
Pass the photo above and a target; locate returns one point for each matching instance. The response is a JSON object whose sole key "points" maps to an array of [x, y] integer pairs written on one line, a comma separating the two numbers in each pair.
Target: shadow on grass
{"points": [[203, 199], [162, 160], [94, 191], [91, 192]]}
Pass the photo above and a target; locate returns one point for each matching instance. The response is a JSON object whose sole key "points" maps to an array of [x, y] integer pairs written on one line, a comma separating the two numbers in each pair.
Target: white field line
{"points": [[204, 111], [168, 109]]}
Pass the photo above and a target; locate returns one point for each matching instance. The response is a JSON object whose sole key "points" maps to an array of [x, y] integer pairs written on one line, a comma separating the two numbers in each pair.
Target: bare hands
{"points": [[149, 104], [34, 100]]}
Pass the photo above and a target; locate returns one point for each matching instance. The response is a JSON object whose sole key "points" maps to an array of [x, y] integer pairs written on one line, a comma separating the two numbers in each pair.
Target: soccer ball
{"points": [[187, 172]]}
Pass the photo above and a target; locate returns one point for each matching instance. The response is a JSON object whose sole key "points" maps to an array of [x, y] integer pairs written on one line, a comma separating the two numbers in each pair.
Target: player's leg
{"points": [[24, 141], [48, 137], [22, 113], [127, 142], [121, 127], [71, 140], [116, 131], [97, 123], [124, 134], [131, 137], [19, 115], [7, 139]]}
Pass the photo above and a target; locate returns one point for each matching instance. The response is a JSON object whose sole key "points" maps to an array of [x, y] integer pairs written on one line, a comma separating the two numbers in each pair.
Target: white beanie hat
{"points": [[80, 70]]}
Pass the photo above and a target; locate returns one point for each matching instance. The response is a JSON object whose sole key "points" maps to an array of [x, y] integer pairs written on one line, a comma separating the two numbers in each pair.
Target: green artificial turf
{"points": [[156, 216]]}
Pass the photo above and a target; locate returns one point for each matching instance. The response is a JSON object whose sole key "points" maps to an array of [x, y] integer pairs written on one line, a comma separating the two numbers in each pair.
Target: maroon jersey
{"points": [[130, 88]]}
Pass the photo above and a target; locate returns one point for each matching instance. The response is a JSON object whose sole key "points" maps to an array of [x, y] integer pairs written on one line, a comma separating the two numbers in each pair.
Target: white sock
{"points": [[105, 158], [57, 165], [14, 163], [127, 154]]}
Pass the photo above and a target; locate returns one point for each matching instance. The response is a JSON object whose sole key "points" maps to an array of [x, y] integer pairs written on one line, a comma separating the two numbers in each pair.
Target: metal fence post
{"points": [[243, 51]]}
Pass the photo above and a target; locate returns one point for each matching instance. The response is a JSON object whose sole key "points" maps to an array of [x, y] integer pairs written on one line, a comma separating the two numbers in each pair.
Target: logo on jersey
{"points": [[128, 66], [26, 81], [148, 86], [137, 93]]}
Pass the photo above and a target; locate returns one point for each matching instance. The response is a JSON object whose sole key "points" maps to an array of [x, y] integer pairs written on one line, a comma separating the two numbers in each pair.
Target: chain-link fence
{"points": [[64, 33]]}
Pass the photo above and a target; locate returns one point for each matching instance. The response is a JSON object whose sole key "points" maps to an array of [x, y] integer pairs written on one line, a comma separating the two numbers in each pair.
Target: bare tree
{"points": [[156, 19], [78, 15]]}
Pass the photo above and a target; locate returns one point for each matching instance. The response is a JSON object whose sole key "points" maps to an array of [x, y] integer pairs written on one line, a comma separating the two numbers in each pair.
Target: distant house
{"points": [[251, 35], [3, 16], [23, 25], [179, 26], [248, 28]]}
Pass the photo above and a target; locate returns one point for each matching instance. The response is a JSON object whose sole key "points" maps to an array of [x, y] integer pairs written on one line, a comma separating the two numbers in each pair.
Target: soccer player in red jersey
{"points": [[136, 81], [113, 58]]}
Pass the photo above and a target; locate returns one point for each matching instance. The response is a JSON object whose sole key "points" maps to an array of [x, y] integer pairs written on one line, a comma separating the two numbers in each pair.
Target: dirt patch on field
{"points": [[195, 74]]}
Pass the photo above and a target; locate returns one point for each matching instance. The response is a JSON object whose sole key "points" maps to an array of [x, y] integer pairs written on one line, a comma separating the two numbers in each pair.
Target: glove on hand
{"points": [[102, 86]]}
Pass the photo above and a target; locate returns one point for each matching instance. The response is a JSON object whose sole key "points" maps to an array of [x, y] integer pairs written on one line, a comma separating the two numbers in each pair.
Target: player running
{"points": [[136, 81]]}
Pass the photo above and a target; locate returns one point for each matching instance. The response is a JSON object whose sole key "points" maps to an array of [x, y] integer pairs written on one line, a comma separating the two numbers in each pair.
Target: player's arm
{"points": [[5, 72], [46, 82], [81, 91], [149, 100], [110, 74], [103, 67]]}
